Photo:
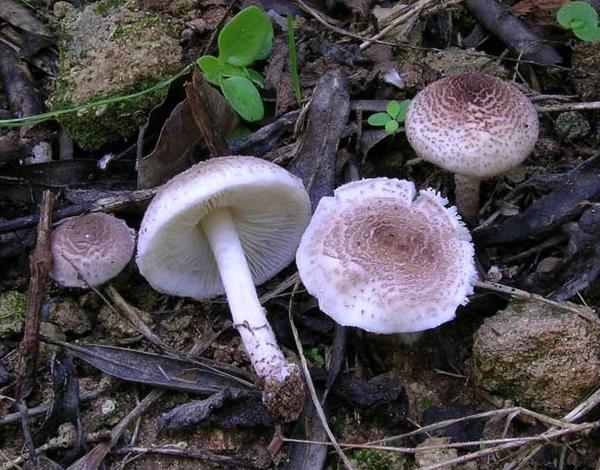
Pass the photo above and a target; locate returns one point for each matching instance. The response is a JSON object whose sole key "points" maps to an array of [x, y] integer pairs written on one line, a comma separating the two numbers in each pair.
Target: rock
{"points": [[13, 306], [542, 357], [454, 61], [70, 316], [571, 126], [111, 48]]}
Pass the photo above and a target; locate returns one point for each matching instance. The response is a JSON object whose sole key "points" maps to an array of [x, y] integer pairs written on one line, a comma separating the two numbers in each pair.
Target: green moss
{"points": [[124, 32], [103, 7], [93, 128], [369, 459], [13, 306]]}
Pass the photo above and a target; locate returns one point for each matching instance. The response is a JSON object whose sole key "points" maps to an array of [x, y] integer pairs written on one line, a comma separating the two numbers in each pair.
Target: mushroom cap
{"points": [[94, 246], [380, 259], [270, 209], [472, 124]]}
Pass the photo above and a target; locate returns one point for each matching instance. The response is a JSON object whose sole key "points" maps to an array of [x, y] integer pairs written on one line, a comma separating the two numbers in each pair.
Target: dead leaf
{"points": [[37, 35], [153, 369], [179, 136], [213, 115]]}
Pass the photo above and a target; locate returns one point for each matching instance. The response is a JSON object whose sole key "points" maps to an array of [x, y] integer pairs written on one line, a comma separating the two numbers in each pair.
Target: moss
{"points": [[369, 459], [93, 128], [103, 7], [13, 306], [108, 50]]}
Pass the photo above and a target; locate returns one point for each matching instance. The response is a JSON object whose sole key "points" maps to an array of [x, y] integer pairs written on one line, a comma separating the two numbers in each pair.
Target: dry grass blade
{"points": [[311, 386]]}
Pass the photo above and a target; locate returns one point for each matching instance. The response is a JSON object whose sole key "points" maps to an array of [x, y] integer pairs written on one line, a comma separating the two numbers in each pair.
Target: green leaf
{"points": [[577, 12], [210, 67], [401, 116], [379, 119], [245, 37], [267, 46], [243, 97], [228, 70], [256, 77], [391, 126], [589, 34], [393, 108]]}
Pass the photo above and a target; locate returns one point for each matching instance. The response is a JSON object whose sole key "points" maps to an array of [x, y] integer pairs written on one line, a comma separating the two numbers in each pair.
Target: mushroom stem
{"points": [[466, 195], [284, 392]]}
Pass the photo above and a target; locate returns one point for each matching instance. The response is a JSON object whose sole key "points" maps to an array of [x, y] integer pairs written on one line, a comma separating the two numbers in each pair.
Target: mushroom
{"points": [[222, 227], [475, 126], [379, 258], [91, 249]]}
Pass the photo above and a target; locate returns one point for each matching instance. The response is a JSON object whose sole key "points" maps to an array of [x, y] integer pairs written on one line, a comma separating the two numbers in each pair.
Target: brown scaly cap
{"points": [[382, 258], [94, 246], [472, 124]]}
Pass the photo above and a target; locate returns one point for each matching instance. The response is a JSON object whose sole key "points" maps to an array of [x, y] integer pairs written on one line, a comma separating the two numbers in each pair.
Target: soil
{"points": [[112, 48]]}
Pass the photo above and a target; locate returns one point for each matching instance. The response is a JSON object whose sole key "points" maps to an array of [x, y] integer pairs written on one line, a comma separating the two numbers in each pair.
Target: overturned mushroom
{"points": [[381, 259], [91, 249], [224, 226], [475, 126]]}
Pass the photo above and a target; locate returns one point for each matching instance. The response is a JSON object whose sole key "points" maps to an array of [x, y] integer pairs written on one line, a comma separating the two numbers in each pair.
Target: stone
{"points": [[542, 357], [112, 48], [571, 126]]}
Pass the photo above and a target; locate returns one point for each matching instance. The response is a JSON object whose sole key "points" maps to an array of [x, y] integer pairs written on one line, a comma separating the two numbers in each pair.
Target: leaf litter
{"points": [[537, 236]]}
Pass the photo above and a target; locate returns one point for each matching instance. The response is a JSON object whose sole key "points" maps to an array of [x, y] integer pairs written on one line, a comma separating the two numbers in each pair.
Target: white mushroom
{"points": [[224, 226], [475, 126], [379, 258], [90, 249]]}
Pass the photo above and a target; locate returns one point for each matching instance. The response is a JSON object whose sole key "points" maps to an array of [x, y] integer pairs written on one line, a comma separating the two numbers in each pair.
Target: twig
{"points": [[556, 108], [43, 409], [311, 386], [94, 458], [121, 306], [195, 455], [106, 204], [40, 263], [512, 31], [407, 14], [519, 294], [544, 437]]}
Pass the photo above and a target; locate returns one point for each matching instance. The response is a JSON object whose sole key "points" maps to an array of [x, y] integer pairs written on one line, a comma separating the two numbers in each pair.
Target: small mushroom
{"points": [[222, 227], [379, 258], [91, 249], [475, 126]]}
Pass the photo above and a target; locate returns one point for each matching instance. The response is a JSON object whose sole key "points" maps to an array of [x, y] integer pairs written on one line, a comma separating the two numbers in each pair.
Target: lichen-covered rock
{"points": [[13, 306], [455, 61], [544, 358], [112, 48], [570, 126]]}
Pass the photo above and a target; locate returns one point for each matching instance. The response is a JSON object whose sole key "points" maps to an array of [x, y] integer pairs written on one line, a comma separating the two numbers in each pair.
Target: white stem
{"points": [[466, 195], [248, 315]]}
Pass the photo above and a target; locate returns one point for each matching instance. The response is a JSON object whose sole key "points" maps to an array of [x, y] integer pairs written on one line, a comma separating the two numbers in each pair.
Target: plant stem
{"points": [[293, 59], [39, 118]]}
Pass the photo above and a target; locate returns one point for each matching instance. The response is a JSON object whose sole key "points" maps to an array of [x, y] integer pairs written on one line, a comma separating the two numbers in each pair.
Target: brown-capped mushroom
{"points": [[380, 257], [475, 126], [91, 249]]}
